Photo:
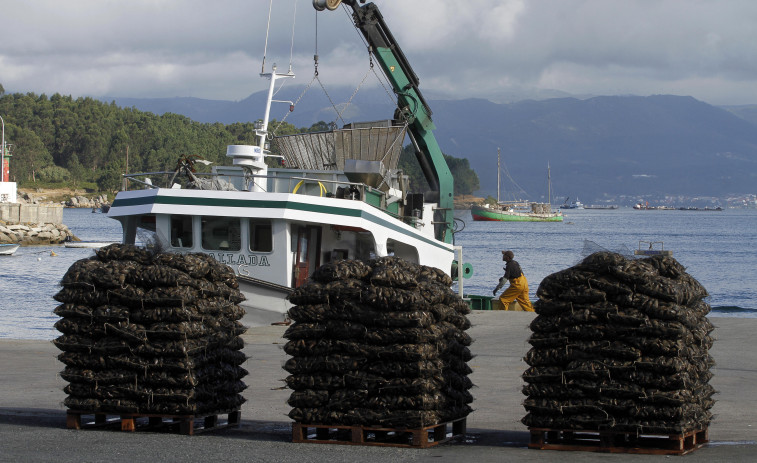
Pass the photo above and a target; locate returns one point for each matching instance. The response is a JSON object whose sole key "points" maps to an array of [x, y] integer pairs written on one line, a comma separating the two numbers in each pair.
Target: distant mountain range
{"points": [[611, 149]]}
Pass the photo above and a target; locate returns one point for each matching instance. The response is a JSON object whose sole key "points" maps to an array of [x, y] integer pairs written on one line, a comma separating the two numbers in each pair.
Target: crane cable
{"points": [[380, 78], [315, 73], [315, 77], [338, 112]]}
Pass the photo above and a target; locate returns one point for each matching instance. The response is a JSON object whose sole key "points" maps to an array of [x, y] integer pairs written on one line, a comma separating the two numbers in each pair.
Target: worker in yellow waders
{"points": [[518, 289]]}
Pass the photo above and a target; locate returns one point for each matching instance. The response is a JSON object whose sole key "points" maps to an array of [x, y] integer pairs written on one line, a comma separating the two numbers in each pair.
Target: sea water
{"points": [[29, 278], [716, 247]]}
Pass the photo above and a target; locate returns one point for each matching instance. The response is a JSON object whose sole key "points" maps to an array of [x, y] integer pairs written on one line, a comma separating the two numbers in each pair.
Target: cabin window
{"points": [[221, 234], [147, 222], [261, 236], [181, 231]]}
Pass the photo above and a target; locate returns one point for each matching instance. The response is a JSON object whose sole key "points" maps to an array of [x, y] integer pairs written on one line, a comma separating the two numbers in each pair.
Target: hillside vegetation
{"points": [[62, 142]]}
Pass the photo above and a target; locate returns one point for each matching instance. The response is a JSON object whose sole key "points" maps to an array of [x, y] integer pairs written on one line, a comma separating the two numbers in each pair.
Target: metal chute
{"points": [[365, 151]]}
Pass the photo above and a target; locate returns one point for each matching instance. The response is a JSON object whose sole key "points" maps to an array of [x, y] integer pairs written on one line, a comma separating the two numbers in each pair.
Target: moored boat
{"points": [[572, 204], [8, 249], [523, 212], [87, 244], [340, 196], [517, 210]]}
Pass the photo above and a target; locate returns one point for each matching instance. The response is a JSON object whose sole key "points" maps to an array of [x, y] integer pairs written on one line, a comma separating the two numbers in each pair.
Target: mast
{"points": [[262, 132], [498, 182], [549, 187]]}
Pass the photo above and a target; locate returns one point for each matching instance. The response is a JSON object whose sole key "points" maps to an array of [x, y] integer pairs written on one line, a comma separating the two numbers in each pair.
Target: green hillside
{"points": [[60, 141]]}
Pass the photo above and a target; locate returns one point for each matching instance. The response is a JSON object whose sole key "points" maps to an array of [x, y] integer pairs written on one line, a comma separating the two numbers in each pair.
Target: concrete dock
{"points": [[33, 419]]}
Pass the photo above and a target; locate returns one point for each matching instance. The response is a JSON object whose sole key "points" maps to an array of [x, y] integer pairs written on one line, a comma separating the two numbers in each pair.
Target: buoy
{"points": [[52, 254]]}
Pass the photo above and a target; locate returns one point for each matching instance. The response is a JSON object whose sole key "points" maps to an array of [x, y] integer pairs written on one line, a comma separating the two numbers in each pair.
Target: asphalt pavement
{"points": [[33, 418]]}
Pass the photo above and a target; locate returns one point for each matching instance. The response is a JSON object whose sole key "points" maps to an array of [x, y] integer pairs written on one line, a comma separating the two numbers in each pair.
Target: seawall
{"points": [[32, 224], [17, 213]]}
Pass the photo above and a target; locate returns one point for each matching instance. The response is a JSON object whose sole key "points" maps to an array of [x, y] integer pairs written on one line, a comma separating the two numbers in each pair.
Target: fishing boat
{"points": [[8, 249], [338, 195], [517, 210], [572, 204]]}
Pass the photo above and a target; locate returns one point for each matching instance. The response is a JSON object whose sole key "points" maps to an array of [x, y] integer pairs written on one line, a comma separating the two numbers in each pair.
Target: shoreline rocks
{"points": [[73, 201], [85, 202], [35, 234]]}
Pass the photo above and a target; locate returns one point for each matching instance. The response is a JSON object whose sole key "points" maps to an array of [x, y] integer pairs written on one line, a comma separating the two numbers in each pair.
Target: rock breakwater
{"points": [[85, 202], [36, 234]]}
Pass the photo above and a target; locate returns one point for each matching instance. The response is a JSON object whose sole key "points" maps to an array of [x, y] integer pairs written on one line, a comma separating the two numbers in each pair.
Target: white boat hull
{"points": [[8, 249], [87, 244], [334, 228]]}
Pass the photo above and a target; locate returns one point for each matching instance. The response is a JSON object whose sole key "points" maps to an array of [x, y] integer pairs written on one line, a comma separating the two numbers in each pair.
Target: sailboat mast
{"points": [[497, 175], [549, 187]]}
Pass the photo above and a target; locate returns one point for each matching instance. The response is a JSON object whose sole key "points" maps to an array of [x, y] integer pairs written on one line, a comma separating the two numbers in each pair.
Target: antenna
{"points": [[268, 28]]}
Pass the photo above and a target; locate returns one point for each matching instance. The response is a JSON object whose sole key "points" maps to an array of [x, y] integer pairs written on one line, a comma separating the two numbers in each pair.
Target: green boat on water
{"points": [[518, 210], [533, 212]]}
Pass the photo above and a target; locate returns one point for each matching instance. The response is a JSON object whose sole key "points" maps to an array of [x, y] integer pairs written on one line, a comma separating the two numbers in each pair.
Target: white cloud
{"points": [[477, 48]]}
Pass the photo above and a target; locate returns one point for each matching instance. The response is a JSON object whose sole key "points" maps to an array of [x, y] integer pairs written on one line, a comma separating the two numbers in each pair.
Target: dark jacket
{"points": [[512, 271]]}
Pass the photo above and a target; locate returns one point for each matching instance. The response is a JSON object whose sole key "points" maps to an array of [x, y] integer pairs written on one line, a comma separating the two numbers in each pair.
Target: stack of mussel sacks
{"points": [[378, 343], [620, 344], [150, 333]]}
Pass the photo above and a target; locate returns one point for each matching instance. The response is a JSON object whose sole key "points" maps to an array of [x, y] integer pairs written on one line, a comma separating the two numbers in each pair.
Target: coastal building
{"points": [[7, 188]]}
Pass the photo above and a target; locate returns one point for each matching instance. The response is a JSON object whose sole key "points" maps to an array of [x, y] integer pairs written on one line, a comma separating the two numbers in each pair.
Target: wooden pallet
{"points": [[424, 437], [617, 442], [185, 424]]}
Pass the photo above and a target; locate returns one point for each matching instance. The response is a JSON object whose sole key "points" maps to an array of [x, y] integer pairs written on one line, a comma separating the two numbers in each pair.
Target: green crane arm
{"points": [[413, 108]]}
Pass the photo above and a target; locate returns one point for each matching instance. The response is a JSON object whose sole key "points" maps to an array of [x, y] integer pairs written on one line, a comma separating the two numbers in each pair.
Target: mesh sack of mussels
{"points": [[379, 342], [620, 344], [152, 333]]}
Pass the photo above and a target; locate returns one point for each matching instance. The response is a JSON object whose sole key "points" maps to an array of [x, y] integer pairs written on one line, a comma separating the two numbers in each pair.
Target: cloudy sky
{"points": [[459, 48]]}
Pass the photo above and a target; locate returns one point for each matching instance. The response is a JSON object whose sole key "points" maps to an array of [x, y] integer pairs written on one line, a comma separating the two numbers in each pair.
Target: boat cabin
{"points": [[277, 225]]}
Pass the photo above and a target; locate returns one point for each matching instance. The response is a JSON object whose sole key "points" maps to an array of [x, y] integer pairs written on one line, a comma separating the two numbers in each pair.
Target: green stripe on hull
{"points": [[269, 204], [246, 203]]}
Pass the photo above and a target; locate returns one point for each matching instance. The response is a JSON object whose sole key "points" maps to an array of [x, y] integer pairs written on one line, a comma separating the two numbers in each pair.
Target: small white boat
{"points": [[8, 249], [87, 244]]}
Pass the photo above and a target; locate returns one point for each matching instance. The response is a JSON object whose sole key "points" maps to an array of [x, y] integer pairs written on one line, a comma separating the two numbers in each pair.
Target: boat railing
{"points": [[294, 184], [314, 186]]}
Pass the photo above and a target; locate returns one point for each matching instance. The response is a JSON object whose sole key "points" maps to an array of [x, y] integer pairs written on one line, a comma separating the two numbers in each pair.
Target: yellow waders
{"points": [[517, 291]]}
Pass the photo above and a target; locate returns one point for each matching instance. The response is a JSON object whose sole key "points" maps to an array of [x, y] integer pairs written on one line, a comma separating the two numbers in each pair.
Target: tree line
{"points": [[60, 141]]}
